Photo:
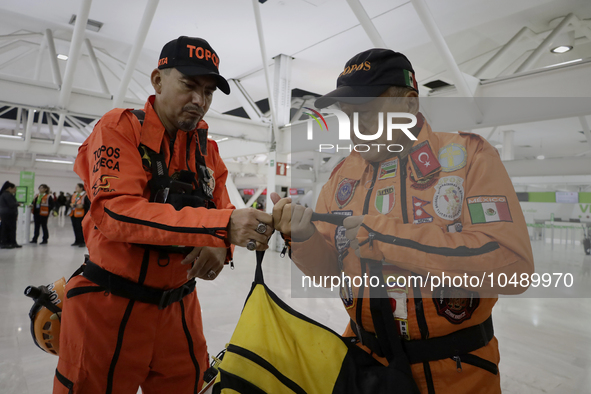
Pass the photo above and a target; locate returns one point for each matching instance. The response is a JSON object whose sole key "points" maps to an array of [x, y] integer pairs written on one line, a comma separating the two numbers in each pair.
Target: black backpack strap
{"points": [[139, 114]]}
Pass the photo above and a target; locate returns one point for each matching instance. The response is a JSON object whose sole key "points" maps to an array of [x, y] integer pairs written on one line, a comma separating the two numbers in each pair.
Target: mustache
{"points": [[190, 108]]}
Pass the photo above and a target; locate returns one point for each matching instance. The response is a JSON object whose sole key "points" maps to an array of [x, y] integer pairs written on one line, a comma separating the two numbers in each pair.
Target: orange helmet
{"points": [[45, 320]]}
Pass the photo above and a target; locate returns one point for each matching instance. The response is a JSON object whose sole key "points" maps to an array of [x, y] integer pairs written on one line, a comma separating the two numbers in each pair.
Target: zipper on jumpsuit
{"points": [[419, 310]]}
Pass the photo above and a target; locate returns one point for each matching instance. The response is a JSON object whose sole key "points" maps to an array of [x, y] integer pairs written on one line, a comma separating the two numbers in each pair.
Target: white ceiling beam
{"points": [[19, 36], [140, 38], [504, 49], [55, 69], [549, 167], [365, 21], [237, 148], [39, 60], [43, 147], [96, 66], [465, 84], [252, 110], [246, 168], [537, 53]]}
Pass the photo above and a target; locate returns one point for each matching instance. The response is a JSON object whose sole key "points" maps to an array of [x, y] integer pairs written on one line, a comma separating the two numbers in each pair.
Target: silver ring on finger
{"points": [[261, 228], [211, 274], [251, 245]]}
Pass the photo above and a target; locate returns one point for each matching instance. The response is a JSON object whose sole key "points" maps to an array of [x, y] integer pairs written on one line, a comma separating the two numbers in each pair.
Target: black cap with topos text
{"points": [[368, 74], [192, 56]]}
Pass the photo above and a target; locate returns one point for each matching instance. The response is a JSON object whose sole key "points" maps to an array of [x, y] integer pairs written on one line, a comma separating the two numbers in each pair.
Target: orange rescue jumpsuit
{"points": [[449, 206], [111, 344]]}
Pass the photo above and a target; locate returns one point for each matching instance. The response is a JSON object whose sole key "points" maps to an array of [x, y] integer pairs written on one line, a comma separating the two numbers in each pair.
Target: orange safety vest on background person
{"points": [[110, 343], [447, 207], [43, 205], [76, 200]]}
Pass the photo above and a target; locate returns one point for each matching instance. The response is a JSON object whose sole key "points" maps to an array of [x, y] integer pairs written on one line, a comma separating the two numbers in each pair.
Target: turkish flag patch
{"points": [[424, 161]]}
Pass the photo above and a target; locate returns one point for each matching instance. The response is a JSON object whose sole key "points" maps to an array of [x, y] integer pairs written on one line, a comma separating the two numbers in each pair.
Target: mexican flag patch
{"points": [[488, 209]]}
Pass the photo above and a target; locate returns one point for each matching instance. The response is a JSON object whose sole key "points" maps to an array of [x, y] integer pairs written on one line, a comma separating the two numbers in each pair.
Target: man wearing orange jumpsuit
{"points": [[441, 204], [133, 318]]}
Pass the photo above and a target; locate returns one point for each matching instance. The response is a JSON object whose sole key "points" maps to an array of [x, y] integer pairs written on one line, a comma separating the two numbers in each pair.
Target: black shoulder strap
{"points": [[140, 115]]}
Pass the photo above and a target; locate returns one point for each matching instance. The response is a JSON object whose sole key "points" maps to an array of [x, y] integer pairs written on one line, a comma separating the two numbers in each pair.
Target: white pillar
{"points": [[282, 88], [233, 193], [135, 52], [508, 152], [74, 53]]}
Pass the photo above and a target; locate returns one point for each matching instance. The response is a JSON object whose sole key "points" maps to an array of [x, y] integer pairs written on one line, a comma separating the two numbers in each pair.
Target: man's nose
{"points": [[198, 98]]}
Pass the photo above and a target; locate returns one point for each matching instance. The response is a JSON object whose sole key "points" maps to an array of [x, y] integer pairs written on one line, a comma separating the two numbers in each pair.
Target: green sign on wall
{"points": [[28, 180]]}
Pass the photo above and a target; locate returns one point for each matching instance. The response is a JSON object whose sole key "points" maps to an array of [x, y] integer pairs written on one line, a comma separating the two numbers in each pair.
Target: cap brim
{"points": [[193, 71], [351, 95]]}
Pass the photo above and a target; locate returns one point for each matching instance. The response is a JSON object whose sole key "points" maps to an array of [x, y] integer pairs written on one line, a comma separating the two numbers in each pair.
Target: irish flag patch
{"points": [[488, 209]]}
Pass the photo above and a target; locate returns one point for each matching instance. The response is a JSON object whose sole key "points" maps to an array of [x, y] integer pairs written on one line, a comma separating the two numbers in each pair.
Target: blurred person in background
{"points": [[42, 205], [8, 214], [80, 205]]}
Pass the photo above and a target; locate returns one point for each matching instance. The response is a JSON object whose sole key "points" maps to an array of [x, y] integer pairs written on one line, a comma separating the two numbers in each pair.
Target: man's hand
{"points": [[243, 225], [352, 225], [292, 220], [207, 261]]}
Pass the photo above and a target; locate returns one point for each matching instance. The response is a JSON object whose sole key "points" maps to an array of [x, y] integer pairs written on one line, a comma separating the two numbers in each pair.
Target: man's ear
{"points": [[156, 79], [412, 102]]}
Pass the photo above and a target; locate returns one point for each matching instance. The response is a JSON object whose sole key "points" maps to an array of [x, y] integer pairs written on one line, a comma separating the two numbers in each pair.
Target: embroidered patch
{"points": [[346, 292], [423, 159], [402, 326], [388, 169], [385, 199], [418, 212], [211, 182], [455, 304], [345, 191], [447, 201], [423, 183], [103, 184], [455, 227], [452, 157], [487, 209], [341, 242]]}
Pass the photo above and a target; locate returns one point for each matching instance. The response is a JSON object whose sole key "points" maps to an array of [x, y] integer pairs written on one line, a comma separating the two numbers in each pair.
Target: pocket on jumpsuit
{"points": [[66, 378]]}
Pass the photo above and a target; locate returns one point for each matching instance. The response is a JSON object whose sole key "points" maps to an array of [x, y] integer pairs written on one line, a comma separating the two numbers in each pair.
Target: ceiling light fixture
{"points": [[55, 161], [540, 157], [561, 49], [62, 57], [563, 43]]}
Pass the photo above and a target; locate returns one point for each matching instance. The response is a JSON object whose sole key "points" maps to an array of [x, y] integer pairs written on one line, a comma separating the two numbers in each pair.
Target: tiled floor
{"points": [[545, 343]]}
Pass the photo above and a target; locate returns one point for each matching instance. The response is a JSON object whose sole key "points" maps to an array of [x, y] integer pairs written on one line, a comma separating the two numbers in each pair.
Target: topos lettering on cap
{"points": [[368, 74], [193, 56]]}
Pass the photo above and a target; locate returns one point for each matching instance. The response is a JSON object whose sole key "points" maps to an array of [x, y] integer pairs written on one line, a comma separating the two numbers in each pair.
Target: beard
{"points": [[187, 125]]}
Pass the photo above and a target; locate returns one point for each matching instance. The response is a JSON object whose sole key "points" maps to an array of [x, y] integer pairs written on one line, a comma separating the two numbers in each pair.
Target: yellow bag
{"points": [[275, 349]]}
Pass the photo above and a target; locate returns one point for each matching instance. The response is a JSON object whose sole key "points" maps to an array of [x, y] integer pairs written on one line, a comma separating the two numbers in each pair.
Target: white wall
{"points": [[56, 180]]}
